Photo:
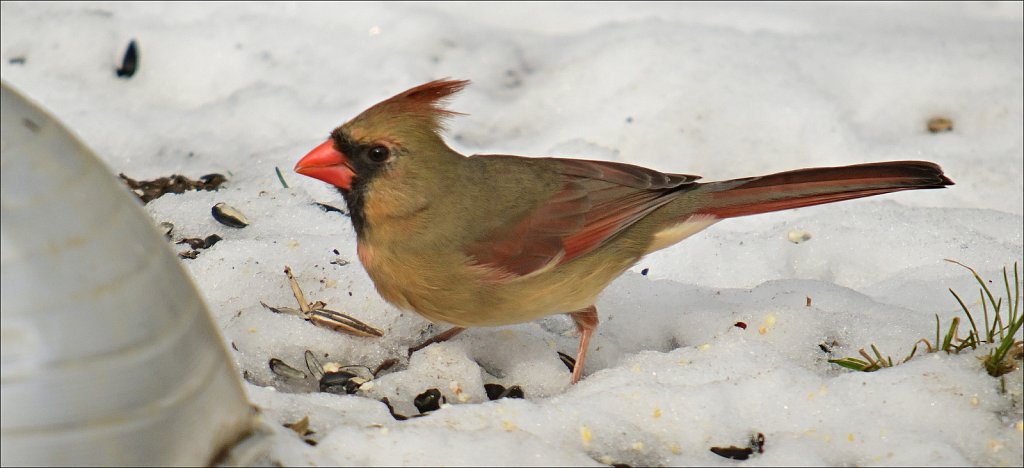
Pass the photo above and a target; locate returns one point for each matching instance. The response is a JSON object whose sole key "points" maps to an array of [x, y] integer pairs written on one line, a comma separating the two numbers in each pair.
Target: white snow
{"points": [[719, 90]]}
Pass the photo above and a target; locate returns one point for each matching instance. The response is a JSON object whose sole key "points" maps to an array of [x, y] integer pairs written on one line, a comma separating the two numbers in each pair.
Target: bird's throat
{"points": [[355, 198]]}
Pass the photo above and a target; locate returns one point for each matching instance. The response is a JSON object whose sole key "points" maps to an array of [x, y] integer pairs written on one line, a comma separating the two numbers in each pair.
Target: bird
{"points": [[491, 240]]}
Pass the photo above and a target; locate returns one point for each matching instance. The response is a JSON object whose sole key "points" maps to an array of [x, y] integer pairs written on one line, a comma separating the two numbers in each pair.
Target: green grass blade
{"points": [[1006, 321], [1016, 296], [1008, 341], [950, 334], [878, 354], [966, 310], [853, 364], [1015, 305], [280, 177]]}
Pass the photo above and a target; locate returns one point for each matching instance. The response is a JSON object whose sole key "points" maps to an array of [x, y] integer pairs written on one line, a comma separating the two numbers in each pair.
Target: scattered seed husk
{"points": [[229, 216], [197, 244], [313, 364], [340, 322], [568, 360], [321, 316], [391, 410], [342, 383], [742, 453], [212, 181], [331, 208], [497, 392], [334, 320], [360, 372], [211, 239], [742, 325], [282, 369], [514, 391], [301, 427], [130, 62], [493, 391], [428, 401], [339, 261], [204, 243], [940, 124], [297, 291], [149, 190], [334, 378], [283, 310], [733, 452]]}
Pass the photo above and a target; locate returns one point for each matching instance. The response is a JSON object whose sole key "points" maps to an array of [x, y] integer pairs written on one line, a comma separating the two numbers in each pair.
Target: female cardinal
{"points": [[492, 240]]}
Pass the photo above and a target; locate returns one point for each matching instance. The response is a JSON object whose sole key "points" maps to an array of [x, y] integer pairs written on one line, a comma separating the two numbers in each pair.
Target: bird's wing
{"points": [[596, 201]]}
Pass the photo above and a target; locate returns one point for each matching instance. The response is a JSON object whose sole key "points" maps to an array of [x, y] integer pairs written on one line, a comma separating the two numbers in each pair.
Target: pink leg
{"points": [[438, 338], [586, 322]]}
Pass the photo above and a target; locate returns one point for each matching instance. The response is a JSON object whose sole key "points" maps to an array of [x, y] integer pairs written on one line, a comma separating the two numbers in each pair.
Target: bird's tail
{"points": [[808, 187]]}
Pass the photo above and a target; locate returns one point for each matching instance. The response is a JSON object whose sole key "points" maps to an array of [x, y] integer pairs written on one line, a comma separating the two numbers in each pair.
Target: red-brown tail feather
{"points": [[808, 187]]}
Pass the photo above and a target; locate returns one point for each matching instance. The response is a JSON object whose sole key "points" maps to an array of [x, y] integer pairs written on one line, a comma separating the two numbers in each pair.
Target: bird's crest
{"points": [[421, 108]]}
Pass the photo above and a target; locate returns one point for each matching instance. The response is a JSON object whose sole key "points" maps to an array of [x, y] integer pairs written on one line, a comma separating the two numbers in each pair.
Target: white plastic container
{"points": [[109, 356]]}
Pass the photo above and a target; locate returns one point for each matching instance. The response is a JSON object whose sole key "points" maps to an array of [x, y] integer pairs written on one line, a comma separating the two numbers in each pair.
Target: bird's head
{"points": [[408, 123]]}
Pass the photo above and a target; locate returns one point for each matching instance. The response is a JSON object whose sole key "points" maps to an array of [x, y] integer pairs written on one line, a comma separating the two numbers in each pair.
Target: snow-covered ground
{"points": [[720, 90]]}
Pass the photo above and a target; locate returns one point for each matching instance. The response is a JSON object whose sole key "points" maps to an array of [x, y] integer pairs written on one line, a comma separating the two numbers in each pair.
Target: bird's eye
{"points": [[378, 154]]}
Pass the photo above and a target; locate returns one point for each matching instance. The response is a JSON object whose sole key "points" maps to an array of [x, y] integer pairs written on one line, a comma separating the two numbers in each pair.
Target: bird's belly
{"points": [[464, 296]]}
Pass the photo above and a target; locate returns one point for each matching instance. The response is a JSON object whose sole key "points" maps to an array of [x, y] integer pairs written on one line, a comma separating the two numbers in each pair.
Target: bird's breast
{"points": [[426, 285], [445, 287]]}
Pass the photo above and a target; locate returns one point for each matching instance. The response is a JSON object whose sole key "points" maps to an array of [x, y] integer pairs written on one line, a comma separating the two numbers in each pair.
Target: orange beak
{"points": [[327, 164]]}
